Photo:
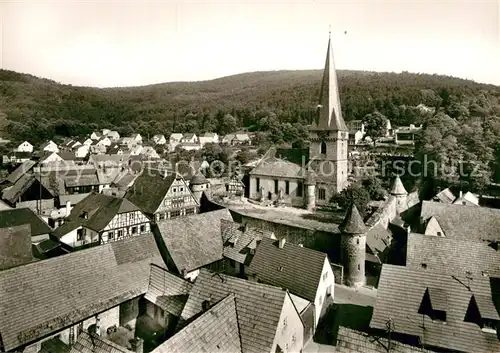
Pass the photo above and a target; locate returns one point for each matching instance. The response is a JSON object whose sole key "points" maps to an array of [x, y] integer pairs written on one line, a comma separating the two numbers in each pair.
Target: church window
{"points": [[276, 186], [321, 194], [300, 186], [287, 187], [257, 181], [323, 147]]}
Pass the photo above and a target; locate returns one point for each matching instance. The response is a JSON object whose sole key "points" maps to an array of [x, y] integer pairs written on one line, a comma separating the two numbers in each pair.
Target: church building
{"points": [[308, 178]]}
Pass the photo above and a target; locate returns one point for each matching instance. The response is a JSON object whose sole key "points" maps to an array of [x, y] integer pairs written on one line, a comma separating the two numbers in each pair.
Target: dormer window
{"points": [[483, 313], [434, 304]]}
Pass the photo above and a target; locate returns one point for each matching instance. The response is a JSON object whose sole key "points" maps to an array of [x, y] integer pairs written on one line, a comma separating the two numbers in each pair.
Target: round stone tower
{"points": [[198, 184], [399, 192], [310, 191], [353, 247]]}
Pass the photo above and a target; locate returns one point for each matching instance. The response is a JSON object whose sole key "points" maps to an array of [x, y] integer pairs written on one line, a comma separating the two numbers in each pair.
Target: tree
{"points": [[354, 192], [375, 125], [374, 187], [227, 125]]}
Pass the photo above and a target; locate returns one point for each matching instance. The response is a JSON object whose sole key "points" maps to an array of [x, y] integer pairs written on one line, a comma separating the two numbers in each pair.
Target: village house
{"points": [[159, 139], [440, 311], [304, 272], [149, 152], [356, 132], [69, 145], [240, 242], [95, 290], [101, 145], [113, 135], [162, 195], [236, 139], [49, 146], [100, 219], [39, 229], [89, 141], [189, 138], [209, 137], [405, 135], [16, 157], [96, 135], [174, 141], [261, 308], [24, 147], [192, 242]]}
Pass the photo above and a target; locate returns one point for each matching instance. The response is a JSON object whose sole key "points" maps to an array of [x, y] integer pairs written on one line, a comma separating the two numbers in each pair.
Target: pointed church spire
{"points": [[398, 187], [353, 222], [330, 113]]}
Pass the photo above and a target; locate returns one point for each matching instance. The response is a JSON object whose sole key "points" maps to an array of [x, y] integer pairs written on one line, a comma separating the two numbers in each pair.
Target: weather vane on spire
{"points": [[329, 30]]}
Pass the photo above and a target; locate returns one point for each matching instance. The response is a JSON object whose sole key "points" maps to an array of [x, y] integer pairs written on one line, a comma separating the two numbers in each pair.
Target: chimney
{"points": [[68, 208], [460, 194], [281, 243]]}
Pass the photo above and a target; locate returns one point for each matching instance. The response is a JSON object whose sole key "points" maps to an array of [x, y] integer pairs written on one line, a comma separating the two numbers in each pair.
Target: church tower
{"points": [[353, 247], [328, 133]]}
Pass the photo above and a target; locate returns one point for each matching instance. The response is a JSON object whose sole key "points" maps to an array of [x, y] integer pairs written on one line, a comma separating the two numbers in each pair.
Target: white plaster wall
{"points": [[70, 238], [433, 228], [324, 285], [293, 328]]}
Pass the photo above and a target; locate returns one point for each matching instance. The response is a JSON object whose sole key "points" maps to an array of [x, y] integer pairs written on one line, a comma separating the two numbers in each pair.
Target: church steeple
{"points": [[329, 117]]}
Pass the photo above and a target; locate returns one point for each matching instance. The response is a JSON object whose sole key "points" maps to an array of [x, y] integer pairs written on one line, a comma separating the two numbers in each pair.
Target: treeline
{"points": [[278, 105]]}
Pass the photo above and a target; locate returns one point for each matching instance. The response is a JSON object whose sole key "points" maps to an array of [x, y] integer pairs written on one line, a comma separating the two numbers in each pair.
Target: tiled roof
{"points": [[73, 198], [353, 222], [238, 240], [214, 331], [87, 343], [452, 256], [352, 341], [445, 196], [15, 246], [12, 193], [46, 296], [194, 241], [167, 291], [293, 267], [198, 179], [19, 216], [149, 189], [277, 168], [378, 239], [258, 307], [464, 222], [20, 171], [399, 297], [68, 156], [100, 211]]}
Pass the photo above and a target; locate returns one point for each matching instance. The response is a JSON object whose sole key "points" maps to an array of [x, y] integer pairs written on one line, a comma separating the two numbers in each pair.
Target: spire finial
{"points": [[329, 31]]}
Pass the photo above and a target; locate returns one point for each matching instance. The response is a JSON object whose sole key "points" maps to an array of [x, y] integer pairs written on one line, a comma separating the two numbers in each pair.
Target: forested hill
{"points": [[279, 103]]}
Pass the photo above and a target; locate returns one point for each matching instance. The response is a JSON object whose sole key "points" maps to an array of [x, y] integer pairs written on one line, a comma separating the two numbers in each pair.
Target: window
{"points": [[276, 186], [490, 325], [285, 322], [190, 211], [175, 213], [134, 230], [359, 268], [357, 241], [174, 190], [322, 148], [257, 182], [182, 189], [300, 186], [232, 263], [439, 233], [321, 194], [162, 216], [287, 187], [320, 300], [80, 234], [325, 276], [120, 234], [424, 266], [111, 235], [132, 216], [143, 228], [294, 339]]}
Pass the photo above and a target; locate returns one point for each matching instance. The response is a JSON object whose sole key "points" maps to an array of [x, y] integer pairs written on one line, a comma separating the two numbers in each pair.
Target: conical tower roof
{"points": [[398, 187], [353, 222], [330, 113]]}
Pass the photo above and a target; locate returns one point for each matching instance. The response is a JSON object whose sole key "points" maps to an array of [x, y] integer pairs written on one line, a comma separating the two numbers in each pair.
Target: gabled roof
{"points": [[198, 179], [464, 222], [445, 196], [238, 240], [150, 188], [100, 210], [293, 267], [167, 291], [24, 168], [330, 113], [353, 222], [258, 307], [209, 134], [12, 193], [451, 256], [15, 246], [43, 297], [194, 241], [399, 297], [19, 216], [214, 331], [87, 343], [378, 239], [270, 165]]}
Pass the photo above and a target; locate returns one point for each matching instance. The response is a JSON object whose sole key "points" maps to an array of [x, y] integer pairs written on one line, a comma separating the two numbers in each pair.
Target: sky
{"points": [[131, 43]]}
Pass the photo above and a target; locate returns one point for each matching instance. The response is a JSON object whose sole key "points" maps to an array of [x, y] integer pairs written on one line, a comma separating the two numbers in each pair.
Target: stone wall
{"points": [[384, 214], [47, 204]]}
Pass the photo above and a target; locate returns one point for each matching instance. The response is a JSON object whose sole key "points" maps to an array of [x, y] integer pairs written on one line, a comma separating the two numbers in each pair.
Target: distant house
{"points": [[209, 137], [100, 219], [24, 147], [116, 148], [162, 196], [113, 135], [82, 151], [137, 138], [17, 157], [304, 272], [406, 135], [51, 158], [49, 146], [18, 216], [96, 135], [234, 186], [189, 138], [136, 150], [174, 140], [89, 141], [159, 139], [190, 243], [69, 145], [236, 139], [149, 152], [356, 132], [188, 146]]}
